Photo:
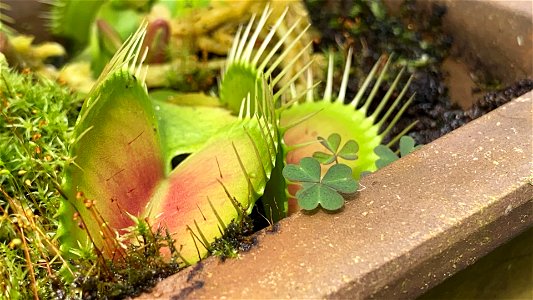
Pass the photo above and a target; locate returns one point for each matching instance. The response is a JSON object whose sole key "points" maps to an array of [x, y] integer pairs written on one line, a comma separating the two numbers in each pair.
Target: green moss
{"points": [[36, 121], [237, 237]]}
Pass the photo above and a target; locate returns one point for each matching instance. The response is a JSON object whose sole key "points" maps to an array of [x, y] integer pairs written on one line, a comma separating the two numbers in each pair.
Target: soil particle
{"points": [[274, 228]]}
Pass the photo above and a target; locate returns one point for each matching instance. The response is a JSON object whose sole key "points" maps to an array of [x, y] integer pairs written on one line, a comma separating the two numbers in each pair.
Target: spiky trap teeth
{"points": [[246, 65]]}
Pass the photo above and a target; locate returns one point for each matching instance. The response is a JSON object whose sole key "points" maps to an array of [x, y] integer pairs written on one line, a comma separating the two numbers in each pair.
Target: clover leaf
{"points": [[332, 143], [407, 145], [387, 156], [323, 191]]}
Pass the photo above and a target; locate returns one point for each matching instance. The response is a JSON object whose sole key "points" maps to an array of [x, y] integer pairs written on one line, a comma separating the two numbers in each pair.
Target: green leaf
{"points": [[386, 156], [328, 198], [307, 171], [407, 145], [324, 158], [186, 129], [339, 177], [332, 143], [349, 150], [325, 191], [72, 19]]}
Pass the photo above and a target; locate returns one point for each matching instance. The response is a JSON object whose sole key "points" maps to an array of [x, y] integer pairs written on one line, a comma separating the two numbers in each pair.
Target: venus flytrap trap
{"points": [[247, 69], [122, 165], [247, 66], [351, 121]]}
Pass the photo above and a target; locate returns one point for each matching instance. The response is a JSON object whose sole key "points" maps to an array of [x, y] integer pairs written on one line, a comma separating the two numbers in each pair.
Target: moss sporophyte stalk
{"points": [[144, 183]]}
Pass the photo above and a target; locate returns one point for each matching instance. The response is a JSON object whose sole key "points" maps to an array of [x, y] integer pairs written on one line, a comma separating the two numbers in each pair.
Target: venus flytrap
{"points": [[149, 179], [303, 122], [351, 121], [122, 165], [248, 68]]}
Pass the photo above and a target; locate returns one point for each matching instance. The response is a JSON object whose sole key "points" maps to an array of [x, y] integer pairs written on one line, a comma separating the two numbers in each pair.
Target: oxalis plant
{"points": [[326, 191]]}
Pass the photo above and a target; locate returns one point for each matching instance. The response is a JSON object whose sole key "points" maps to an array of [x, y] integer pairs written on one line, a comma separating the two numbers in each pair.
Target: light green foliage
{"points": [[72, 19], [183, 7], [387, 156], [323, 191]]}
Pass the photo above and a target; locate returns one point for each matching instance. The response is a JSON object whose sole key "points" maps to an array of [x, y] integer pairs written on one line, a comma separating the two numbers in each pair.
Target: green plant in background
{"points": [[177, 31], [387, 156]]}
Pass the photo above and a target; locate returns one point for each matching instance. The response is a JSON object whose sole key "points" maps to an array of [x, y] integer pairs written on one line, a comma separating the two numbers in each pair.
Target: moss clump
{"points": [[237, 237], [138, 271], [36, 121]]}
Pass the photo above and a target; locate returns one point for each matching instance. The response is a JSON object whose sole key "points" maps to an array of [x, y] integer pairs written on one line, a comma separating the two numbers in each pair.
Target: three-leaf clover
{"points": [[324, 191], [348, 151], [387, 156]]}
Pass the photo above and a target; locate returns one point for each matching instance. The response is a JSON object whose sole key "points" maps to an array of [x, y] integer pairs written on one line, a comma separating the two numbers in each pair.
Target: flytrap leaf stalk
{"points": [[231, 154]]}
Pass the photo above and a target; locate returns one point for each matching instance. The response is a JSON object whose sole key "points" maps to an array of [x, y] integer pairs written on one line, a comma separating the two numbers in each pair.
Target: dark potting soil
{"points": [[418, 43], [440, 118]]}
